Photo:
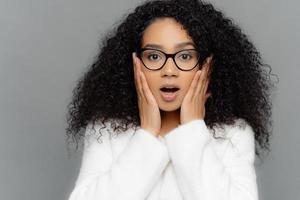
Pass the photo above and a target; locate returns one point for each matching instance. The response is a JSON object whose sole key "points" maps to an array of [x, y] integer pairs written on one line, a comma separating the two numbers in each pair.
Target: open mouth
{"points": [[164, 89], [169, 93]]}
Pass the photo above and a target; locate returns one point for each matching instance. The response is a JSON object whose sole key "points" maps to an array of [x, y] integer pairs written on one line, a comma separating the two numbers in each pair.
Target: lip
{"points": [[169, 85], [169, 96]]}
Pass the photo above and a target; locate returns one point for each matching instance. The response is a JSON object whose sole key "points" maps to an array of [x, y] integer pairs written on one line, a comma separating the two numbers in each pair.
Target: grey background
{"points": [[46, 45]]}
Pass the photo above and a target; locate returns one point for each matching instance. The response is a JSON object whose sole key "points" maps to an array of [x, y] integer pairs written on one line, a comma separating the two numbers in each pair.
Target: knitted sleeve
{"points": [[130, 176], [202, 174]]}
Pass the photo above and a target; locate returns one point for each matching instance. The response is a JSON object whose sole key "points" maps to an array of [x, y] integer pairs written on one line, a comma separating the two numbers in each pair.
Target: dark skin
{"points": [[199, 96], [193, 105], [156, 115]]}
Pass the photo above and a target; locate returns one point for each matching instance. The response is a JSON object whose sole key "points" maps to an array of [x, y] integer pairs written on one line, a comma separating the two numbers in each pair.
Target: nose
{"points": [[170, 68]]}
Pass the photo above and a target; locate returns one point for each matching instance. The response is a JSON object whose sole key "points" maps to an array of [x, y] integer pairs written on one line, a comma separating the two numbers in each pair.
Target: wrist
{"points": [[153, 132]]}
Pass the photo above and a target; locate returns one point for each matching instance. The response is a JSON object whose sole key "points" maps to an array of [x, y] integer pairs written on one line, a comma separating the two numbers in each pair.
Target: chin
{"points": [[169, 107]]}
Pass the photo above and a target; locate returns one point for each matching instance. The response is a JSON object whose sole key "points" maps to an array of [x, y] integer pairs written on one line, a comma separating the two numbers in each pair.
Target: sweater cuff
{"points": [[186, 138], [151, 144], [190, 130]]}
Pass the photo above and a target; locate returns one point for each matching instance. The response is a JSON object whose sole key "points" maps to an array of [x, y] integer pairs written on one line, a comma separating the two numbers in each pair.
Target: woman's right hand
{"points": [[148, 108]]}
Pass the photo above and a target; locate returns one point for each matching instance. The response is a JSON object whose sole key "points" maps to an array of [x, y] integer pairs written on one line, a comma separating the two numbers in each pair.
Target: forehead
{"points": [[166, 34]]}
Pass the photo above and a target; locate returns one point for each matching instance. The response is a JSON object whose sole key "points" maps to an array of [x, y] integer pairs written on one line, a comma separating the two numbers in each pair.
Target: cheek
{"points": [[152, 82], [188, 81]]}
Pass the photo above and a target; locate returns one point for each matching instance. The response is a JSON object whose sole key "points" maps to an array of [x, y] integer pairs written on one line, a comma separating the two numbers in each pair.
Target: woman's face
{"points": [[167, 33]]}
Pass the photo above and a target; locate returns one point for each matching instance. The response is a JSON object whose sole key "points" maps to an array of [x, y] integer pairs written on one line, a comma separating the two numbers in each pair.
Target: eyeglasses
{"points": [[155, 59]]}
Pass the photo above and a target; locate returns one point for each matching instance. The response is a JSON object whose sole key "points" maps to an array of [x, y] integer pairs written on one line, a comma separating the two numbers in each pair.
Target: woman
{"points": [[178, 96]]}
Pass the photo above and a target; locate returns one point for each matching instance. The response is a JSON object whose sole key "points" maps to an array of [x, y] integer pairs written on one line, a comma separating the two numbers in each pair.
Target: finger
{"points": [[200, 84], [203, 79], [194, 84], [209, 66], [207, 96], [138, 80], [136, 75], [147, 92], [207, 77], [206, 86], [142, 78], [134, 68], [143, 87]]}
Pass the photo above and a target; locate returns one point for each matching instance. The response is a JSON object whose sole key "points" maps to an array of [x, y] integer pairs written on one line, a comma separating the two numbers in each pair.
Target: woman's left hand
{"points": [[193, 104]]}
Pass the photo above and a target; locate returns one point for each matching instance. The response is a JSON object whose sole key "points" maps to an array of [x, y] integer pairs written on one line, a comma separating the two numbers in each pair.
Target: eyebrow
{"points": [[179, 45]]}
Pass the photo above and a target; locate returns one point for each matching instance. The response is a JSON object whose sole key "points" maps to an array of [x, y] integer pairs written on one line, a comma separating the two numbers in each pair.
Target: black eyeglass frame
{"points": [[172, 55]]}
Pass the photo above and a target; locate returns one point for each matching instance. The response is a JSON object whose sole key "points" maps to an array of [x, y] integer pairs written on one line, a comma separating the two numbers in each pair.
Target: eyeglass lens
{"points": [[154, 59]]}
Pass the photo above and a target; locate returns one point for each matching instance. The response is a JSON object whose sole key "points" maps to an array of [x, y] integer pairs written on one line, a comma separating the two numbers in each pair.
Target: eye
{"points": [[153, 56], [185, 56]]}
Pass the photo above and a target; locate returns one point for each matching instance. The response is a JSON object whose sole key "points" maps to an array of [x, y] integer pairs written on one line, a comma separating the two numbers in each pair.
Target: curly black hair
{"points": [[239, 82]]}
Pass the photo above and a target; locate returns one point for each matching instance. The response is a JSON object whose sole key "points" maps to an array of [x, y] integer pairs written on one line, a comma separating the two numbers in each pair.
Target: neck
{"points": [[169, 120]]}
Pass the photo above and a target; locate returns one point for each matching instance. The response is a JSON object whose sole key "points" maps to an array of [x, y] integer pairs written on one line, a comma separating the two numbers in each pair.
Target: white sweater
{"points": [[188, 163]]}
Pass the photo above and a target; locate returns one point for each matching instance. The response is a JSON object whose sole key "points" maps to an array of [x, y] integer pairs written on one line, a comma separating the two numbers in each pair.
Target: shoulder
{"points": [[240, 132], [106, 130], [241, 140], [97, 140], [103, 136], [239, 129], [97, 131]]}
